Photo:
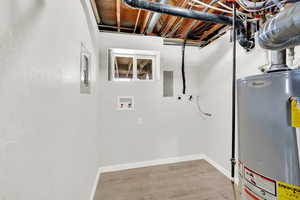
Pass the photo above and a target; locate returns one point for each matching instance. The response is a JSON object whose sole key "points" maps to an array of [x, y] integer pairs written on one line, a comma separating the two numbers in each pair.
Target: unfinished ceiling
{"points": [[114, 15]]}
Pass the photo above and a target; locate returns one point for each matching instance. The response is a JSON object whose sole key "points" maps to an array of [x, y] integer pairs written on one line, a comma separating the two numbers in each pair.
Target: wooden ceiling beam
{"points": [[172, 19], [217, 27], [114, 27], [196, 23], [146, 20], [221, 32], [118, 13], [213, 29], [191, 26], [95, 11], [210, 31], [147, 17], [137, 21]]}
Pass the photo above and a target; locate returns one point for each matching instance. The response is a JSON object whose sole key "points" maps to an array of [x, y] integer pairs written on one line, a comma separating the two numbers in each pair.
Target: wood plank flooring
{"points": [[195, 180]]}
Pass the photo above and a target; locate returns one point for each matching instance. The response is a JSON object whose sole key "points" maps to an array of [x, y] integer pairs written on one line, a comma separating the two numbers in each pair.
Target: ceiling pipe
{"points": [[192, 14], [195, 22], [155, 17], [182, 12]]}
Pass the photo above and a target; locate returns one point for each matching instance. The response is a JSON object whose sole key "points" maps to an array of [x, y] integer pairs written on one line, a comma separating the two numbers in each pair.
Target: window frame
{"points": [[114, 56], [135, 54], [153, 67]]}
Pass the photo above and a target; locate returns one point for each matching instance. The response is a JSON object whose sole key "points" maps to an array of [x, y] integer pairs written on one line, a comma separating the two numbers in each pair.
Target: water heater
{"points": [[268, 148]]}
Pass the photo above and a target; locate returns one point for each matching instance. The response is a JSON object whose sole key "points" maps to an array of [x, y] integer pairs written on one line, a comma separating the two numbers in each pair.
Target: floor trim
{"points": [[95, 185], [221, 169], [218, 167], [165, 161]]}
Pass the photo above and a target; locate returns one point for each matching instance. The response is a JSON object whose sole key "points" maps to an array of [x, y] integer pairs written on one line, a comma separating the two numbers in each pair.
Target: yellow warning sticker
{"points": [[295, 113], [288, 192]]}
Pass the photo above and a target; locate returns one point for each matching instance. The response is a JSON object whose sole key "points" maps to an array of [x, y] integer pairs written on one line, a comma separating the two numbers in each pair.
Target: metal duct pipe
{"points": [[282, 31], [155, 17], [182, 12], [278, 61], [192, 14]]}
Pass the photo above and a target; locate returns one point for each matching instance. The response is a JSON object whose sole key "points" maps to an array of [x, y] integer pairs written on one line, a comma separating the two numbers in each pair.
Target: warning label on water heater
{"points": [[288, 192], [260, 181], [259, 187], [295, 112]]}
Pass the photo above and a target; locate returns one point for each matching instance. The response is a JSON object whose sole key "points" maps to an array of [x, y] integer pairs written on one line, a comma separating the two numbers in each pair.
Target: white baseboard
{"points": [[218, 167], [221, 169], [95, 185], [165, 161]]}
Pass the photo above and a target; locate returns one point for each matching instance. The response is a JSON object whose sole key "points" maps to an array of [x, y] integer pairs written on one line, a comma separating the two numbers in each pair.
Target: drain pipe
{"points": [[154, 19], [233, 159], [192, 14]]}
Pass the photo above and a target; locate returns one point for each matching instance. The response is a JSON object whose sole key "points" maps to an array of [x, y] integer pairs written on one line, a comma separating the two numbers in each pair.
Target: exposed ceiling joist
{"points": [[114, 16], [115, 27], [147, 17], [118, 12], [146, 21], [212, 30], [172, 19], [137, 21], [189, 28], [95, 11], [196, 23], [221, 32]]}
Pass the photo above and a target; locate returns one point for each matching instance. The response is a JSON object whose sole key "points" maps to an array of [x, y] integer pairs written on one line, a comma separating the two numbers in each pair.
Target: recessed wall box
{"points": [[125, 103]]}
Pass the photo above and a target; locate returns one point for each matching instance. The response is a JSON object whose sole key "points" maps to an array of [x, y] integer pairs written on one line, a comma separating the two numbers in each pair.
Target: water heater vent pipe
{"points": [[282, 31]]}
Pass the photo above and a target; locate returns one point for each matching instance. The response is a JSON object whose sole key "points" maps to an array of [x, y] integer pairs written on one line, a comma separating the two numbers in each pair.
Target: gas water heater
{"points": [[268, 150]]}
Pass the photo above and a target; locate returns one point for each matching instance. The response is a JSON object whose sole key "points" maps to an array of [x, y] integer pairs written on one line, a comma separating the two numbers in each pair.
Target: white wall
{"points": [[170, 127], [48, 130]]}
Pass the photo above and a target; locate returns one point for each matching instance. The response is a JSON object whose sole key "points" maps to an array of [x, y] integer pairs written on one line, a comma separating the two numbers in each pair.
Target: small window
{"points": [[144, 69], [134, 65], [123, 68]]}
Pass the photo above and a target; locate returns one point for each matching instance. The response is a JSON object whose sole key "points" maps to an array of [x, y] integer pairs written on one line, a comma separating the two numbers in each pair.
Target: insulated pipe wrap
{"points": [[282, 31]]}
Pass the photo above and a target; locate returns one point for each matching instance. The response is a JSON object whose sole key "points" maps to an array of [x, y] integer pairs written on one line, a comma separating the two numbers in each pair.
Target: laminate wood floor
{"points": [[195, 180]]}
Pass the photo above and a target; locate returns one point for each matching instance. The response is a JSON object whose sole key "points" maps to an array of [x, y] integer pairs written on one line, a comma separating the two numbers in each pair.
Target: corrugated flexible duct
{"points": [[282, 31]]}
